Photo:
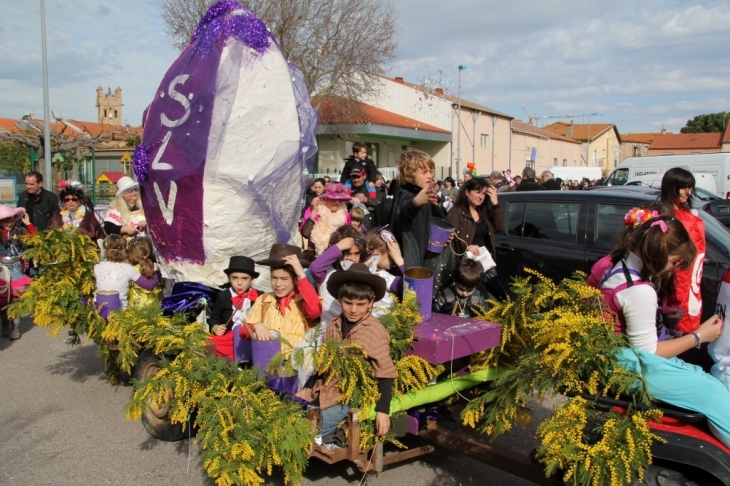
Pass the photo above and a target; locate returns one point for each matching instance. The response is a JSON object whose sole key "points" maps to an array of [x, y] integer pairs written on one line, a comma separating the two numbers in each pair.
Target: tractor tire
{"points": [[156, 419]]}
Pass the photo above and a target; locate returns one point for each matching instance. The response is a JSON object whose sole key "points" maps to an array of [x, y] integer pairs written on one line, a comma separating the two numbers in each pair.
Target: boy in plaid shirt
{"points": [[356, 290]]}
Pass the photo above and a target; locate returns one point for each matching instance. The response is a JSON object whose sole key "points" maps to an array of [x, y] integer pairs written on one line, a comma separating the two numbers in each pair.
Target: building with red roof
{"points": [[636, 144], [690, 143]]}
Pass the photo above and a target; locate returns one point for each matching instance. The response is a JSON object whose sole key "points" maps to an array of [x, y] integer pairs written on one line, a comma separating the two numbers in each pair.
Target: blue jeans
{"points": [[332, 416]]}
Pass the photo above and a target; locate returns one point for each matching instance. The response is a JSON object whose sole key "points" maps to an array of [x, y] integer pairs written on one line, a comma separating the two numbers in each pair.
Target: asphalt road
{"points": [[61, 424]]}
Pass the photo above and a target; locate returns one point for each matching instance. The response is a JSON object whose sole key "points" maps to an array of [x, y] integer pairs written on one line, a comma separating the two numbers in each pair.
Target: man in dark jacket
{"points": [[549, 183], [39, 203], [360, 159], [364, 194], [529, 183]]}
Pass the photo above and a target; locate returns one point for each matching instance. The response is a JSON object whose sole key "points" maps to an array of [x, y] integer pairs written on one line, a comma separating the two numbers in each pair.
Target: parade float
{"points": [[228, 144]]}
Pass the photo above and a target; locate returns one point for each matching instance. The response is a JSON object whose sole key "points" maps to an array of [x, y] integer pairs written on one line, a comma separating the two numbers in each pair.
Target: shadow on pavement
{"points": [[79, 363]]}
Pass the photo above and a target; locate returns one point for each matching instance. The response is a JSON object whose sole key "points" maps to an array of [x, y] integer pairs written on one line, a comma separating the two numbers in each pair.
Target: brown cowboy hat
{"points": [[357, 273], [278, 252]]}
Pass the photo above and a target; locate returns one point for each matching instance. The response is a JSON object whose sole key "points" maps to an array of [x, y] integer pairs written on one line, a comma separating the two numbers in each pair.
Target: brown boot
{"points": [[15, 329]]}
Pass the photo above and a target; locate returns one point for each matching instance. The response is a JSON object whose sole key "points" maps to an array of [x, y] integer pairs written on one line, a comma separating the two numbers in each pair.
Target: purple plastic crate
{"points": [[444, 338]]}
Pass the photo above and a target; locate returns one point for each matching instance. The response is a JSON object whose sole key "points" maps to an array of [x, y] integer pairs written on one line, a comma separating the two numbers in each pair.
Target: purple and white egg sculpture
{"points": [[228, 144]]}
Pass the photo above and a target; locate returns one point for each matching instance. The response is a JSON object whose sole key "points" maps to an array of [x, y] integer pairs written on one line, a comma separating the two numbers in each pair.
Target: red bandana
{"points": [[285, 301], [238, 300]]}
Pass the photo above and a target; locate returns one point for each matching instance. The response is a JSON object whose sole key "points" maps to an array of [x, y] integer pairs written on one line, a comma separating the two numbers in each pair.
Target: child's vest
{"points": [[604, 267]]}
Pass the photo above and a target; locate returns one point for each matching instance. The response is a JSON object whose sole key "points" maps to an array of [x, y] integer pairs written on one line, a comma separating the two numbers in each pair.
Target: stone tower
{"points": [[109, 106]]}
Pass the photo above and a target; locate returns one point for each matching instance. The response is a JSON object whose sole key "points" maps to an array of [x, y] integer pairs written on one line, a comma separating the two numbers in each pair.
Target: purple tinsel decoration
{"points": [[141, 162], [218, 23]]}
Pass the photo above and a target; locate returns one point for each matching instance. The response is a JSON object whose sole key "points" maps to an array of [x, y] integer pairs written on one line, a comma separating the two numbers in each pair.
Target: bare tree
{"points": [[340, 46]]}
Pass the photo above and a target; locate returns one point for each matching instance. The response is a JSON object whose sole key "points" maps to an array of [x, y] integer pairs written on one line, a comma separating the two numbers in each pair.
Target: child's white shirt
{"points": [[115, 276]]}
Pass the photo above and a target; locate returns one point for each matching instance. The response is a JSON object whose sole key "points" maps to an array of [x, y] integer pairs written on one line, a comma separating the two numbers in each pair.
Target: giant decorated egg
{"points": [[228, 143]]}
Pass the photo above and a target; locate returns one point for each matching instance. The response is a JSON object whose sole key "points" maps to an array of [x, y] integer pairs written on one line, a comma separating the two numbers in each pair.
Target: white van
{"points": [[575, 173], [716, 165], [702, 180]]}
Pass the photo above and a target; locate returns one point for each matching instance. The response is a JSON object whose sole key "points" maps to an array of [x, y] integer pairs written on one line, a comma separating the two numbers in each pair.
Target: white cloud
{"points": [[587, 57], [641, 64], [89, 43]]}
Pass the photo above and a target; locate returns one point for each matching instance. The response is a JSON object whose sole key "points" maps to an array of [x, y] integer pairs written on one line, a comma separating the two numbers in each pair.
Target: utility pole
{"points": [[46, 107], [458, 135]]}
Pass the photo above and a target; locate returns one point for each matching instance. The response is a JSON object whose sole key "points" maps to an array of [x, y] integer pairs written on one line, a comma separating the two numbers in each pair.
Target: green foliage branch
{"points": [[560, 338]]}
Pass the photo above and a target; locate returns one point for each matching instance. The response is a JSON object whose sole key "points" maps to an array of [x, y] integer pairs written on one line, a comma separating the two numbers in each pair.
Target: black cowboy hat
{"points": [[357, 273], [278, 252], [241, 264]]}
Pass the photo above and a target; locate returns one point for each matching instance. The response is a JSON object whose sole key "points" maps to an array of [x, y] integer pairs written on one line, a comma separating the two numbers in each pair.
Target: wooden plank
{"points": [[504, 459], [408, 454]]}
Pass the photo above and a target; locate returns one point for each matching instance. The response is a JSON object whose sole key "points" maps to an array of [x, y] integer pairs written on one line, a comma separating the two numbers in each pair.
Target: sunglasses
{"points": [[70, 198], [134, 190]]}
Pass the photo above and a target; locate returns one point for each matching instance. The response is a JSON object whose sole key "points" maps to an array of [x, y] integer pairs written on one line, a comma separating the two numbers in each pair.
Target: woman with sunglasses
{"points": [[77, 212], [125, 215]]}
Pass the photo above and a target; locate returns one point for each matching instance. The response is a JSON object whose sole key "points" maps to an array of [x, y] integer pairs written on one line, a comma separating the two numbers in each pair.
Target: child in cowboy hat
{"points": [[293, 306], [357, 290], [11, 250], [233, 303], [327, 213]]}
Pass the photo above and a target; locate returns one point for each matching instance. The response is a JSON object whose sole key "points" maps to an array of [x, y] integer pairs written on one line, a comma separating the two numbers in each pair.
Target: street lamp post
{"points": [[46, 108], [588, 154], [458, 133]]}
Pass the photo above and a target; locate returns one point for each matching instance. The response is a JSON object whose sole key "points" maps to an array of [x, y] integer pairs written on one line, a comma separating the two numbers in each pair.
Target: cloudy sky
{"points": [[641, 65]]}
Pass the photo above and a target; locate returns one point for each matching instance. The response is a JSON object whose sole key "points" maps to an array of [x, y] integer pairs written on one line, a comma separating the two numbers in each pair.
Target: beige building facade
{"points": [[600, 142], [541, 149]]}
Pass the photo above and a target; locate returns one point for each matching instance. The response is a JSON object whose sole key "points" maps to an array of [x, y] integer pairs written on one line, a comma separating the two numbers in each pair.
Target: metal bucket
{"points": [[419, 281], [440, 230], [107, 301], [263, 351], [241, 347]]}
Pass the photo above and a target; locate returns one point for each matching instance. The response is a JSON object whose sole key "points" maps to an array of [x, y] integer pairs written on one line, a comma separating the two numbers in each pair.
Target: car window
{"points": [[551, 221], [609, 223], [618, 178], [705, 195], [515, 211]]}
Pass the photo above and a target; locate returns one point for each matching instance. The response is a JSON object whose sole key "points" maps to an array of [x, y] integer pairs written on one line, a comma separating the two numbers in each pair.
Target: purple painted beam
{"points": [[444, 338]]}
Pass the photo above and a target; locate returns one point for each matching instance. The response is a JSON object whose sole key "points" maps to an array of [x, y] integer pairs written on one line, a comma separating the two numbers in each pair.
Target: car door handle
{"points": [[504, 250]]}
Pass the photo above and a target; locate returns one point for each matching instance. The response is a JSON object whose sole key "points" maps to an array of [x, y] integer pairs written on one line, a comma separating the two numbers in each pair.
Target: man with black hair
{"points": [[40, 204]]}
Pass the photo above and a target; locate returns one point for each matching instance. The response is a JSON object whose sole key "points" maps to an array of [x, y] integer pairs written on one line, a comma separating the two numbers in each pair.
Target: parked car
{"points": [[704, 200], [559, 232]]}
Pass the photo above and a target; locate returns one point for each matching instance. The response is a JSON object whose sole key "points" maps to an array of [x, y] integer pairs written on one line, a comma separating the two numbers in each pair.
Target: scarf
{"points": [[69, 220], [240, 298], [285, 301]]}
